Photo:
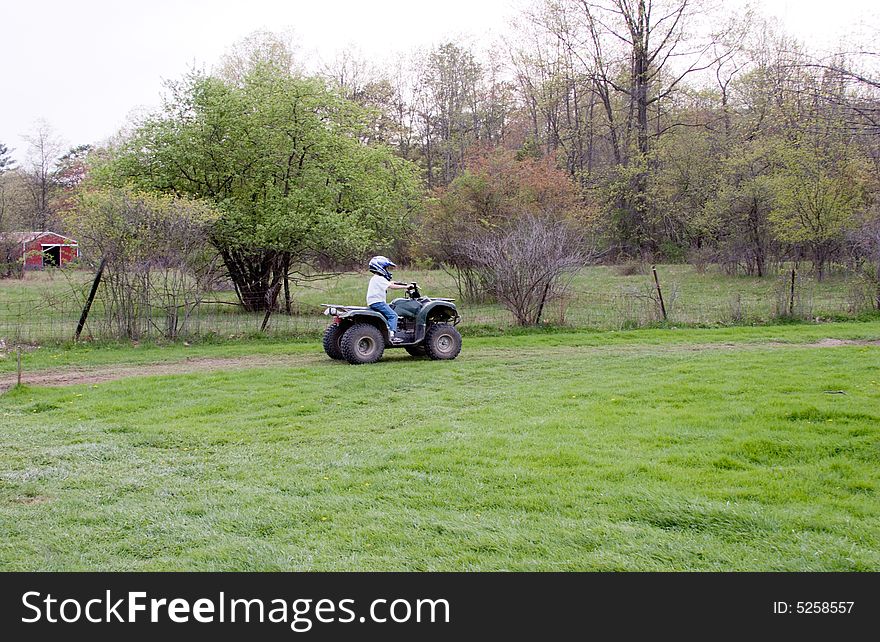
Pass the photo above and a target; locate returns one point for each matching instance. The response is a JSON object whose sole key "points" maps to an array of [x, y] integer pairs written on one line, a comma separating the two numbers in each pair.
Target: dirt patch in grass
{"points": [[821, 343], [79, 376], [830, 343], [29, 501], [102, 374]]}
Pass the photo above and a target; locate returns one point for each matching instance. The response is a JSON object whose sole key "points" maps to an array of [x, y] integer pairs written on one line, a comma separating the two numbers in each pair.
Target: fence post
{"points": [[541, 305], [18, 370], [88, 305], [271, 297], [791, 295], [659, 292]]}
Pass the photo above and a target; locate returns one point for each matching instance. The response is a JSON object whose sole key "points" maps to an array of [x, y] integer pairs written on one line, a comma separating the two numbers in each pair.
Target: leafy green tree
{"points": [[282, 159], [8, 246], [7, 164], [737, 218], [820, 189], [685, 171]]}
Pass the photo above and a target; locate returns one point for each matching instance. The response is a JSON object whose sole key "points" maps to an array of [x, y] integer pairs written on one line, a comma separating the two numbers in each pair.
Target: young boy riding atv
{"points": [[422, 326], [377, 290]]}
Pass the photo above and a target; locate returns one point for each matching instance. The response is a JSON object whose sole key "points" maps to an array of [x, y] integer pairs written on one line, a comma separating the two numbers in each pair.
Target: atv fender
{"points": [[435, 309], [366, 315]]}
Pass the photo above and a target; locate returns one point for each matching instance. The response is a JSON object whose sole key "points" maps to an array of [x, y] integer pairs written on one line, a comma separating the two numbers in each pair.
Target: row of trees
{"points": [[612, 128], [33, 195], [695, 134]]}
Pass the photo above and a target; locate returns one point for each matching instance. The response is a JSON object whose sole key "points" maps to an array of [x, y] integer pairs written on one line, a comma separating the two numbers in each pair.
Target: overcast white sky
{"points": [[83, 66]]}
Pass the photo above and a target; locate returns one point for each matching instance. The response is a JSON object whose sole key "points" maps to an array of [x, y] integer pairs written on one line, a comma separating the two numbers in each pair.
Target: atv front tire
{"points": [[442, 341], [362, 343], [332, 339]]}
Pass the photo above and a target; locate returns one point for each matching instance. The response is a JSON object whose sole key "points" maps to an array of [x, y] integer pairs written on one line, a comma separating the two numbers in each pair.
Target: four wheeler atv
{"points": [[425, 327]]}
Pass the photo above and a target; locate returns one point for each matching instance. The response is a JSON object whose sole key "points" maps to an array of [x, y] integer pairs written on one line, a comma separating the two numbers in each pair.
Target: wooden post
{"points": [[286, 283], [88, 305], [791, 295], [272, 296], [19, 365], [659, 291], [541, 305]]}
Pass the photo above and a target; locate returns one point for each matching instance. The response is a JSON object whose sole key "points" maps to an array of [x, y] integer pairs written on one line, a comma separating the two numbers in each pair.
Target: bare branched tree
{"points": [[607, 87], [44, 148], [281, 49], [866, 243], [529, 263]]}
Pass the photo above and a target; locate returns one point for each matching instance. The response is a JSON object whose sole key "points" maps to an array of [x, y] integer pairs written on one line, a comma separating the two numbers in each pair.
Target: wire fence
{"points": [[34, 321], [55, 317]]}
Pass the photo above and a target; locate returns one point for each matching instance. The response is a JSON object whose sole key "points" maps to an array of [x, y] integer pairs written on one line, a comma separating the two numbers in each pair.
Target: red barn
{"points": [[44, 249]]}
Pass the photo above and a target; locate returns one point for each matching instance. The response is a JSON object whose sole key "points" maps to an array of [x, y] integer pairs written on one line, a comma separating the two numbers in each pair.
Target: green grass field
{"points": [[689, 449]]}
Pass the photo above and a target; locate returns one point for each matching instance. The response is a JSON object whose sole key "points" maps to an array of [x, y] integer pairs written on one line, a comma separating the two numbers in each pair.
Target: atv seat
{"points": [[406, 308]]}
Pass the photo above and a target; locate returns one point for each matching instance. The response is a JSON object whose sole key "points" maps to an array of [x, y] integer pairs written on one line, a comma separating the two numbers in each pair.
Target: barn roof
{"points": [[27, 237]]}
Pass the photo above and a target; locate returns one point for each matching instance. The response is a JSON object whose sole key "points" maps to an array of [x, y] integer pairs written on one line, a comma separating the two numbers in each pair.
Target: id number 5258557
{"points": [[808, 608], [812, 608]]}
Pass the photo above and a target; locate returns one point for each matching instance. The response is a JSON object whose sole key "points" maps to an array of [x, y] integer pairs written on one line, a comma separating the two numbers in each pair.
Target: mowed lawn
{"points": [[735, 449]]}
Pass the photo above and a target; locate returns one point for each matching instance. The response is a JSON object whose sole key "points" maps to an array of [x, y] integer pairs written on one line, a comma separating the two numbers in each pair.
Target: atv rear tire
{"points": [[416, 351], [442, 341], [332, 338], [362, 343]]}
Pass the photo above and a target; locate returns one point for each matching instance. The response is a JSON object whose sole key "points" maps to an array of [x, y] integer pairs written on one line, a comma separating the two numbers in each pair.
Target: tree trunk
{"points": [[287, 308], [819, 259], [757, 240], [640, 96], [877, 292], [251, 273]]}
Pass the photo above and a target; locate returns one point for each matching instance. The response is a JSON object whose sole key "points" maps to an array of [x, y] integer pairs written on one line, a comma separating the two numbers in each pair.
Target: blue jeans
{"points": [[388, 312]]}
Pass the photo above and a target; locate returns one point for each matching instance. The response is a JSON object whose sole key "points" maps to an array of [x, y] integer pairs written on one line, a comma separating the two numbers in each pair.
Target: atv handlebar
{"points": [[412, 289]]}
